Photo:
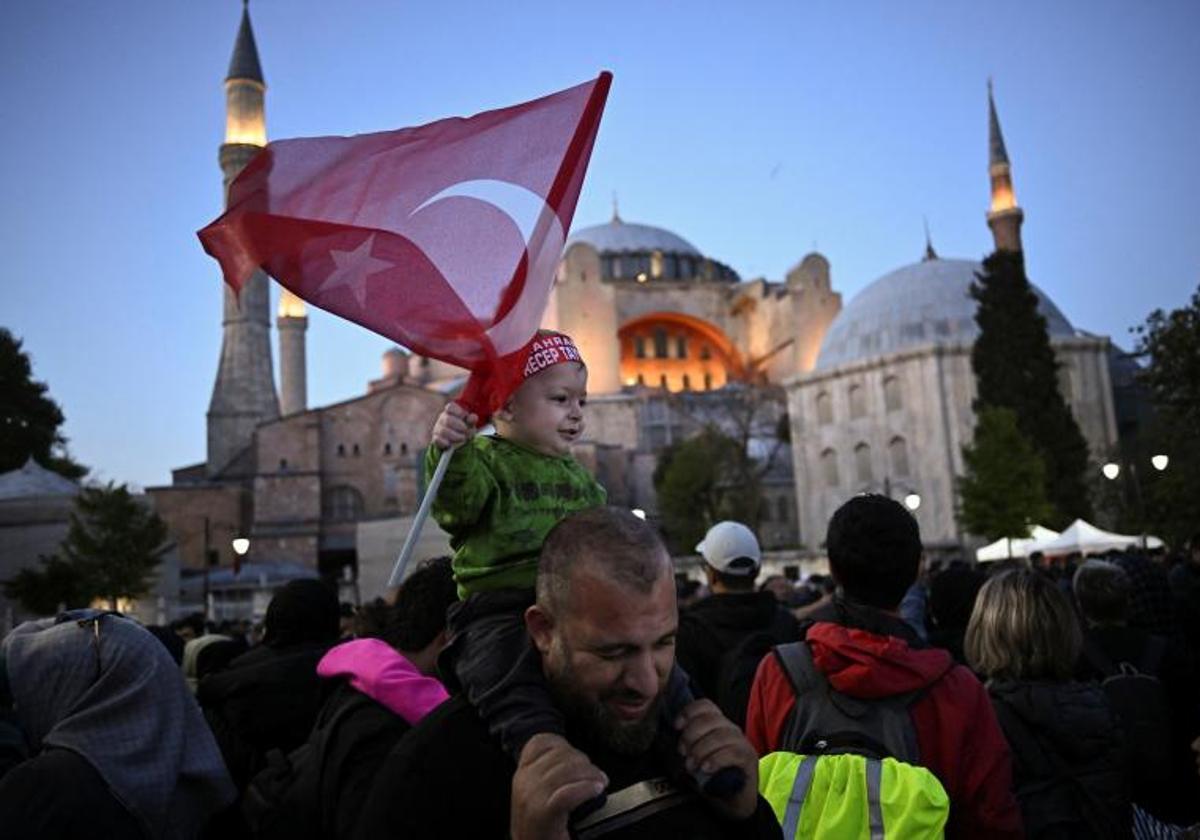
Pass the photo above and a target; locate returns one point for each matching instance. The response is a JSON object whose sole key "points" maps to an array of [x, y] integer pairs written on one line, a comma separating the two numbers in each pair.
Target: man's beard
{"points": [[598, 722]]}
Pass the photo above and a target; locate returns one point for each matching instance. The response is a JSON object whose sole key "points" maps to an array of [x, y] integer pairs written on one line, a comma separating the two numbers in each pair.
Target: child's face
{"points": [[546, 412]]}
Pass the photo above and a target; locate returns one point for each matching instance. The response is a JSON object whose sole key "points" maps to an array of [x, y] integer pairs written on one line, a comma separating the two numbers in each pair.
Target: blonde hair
{"points": [[1022, 628]]}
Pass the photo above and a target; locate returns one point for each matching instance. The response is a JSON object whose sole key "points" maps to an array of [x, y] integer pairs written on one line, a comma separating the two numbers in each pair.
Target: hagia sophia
{"points": [[878, 388]]}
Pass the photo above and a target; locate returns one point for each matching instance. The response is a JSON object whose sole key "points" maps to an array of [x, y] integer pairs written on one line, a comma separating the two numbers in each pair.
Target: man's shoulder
{"points": [[454, 723]]}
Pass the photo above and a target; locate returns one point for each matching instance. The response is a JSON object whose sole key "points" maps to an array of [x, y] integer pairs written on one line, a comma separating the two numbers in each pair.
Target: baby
{"points": [[500, 497]]}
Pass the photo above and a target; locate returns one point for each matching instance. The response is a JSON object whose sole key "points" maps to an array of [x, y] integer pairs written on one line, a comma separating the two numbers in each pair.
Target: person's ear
{"points": [[505, 412], [540, 625]]}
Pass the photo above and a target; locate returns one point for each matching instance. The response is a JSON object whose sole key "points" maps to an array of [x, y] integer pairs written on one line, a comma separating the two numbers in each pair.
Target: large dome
{"points": [[925, 303], [618, 236]]}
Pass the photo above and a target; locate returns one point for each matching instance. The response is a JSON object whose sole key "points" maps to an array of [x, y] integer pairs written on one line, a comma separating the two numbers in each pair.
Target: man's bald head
{"points": [[610, 543]]}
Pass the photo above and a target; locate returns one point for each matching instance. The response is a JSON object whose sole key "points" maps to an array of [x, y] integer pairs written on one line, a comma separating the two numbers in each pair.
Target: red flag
{"points": [[444, 238]]}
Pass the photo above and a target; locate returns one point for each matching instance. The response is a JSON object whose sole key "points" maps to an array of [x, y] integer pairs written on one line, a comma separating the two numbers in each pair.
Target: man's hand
{"points": [[454, 426], [552, 779], [708, 740]]}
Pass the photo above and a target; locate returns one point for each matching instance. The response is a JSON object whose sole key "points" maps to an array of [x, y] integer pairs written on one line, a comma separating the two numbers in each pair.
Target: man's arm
{"points": [[552, 780], [709, 742], [978, 763], [771, 701]]}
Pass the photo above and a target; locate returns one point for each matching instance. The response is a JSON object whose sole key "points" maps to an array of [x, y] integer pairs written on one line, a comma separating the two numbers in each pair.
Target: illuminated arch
{"points": [[682, 351]]}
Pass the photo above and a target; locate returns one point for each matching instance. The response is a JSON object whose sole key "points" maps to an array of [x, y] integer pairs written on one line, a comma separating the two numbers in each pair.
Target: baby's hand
{"points": [[454, 426]]}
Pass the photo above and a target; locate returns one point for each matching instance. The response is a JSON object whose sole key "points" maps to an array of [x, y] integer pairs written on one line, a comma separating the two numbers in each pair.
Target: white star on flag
{"points": [[352, 268]]}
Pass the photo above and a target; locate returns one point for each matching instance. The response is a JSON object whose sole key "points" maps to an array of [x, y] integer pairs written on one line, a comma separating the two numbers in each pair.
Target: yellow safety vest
{"points": [[848, 796]]}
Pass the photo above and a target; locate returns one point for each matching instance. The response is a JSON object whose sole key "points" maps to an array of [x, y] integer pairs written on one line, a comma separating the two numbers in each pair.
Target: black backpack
{"points": [[284, 799], [738, 665], [1140, 702], [825, 721]]}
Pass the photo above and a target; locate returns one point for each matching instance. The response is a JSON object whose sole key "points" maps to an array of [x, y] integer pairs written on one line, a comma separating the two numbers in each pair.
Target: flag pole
{"points": [[414, 531]]}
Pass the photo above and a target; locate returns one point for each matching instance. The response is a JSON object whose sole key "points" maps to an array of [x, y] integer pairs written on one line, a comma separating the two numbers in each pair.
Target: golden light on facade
{"points": [[1003, 198], [245, 118], [656, 264], [291, 306], [245, 130]]}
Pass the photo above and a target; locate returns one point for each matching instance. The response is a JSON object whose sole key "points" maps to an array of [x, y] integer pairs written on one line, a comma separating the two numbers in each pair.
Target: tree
{"points": [[1169, 344], [1015, 368], [44, 591], [718, 473], [694, 490], [1003, 492], [29, 420], [111, 551]]}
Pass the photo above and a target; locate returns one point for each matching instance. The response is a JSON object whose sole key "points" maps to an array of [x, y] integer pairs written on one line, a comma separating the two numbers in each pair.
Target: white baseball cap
{"points": [[732, 548]]}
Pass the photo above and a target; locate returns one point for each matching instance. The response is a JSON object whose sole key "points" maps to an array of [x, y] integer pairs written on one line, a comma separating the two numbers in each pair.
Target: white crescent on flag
{"points": [[527, 210]]}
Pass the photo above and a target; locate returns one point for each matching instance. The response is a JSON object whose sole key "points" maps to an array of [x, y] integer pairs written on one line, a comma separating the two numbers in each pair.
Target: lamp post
{"points": [[241, 545], [1112, 471], [912, 501]]}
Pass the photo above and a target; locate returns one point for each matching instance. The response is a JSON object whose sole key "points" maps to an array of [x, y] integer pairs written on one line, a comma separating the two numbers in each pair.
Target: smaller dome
{"points": [[925, 303], [618, 236]]}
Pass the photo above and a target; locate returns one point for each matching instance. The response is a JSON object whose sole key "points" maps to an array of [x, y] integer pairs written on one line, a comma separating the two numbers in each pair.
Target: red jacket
{"points": [[957, 732]]}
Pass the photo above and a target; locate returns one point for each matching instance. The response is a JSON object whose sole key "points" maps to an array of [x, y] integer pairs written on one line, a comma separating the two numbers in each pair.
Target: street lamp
{"points": [[912, 501], [240, 546], [1112, 469], [639, 513]]}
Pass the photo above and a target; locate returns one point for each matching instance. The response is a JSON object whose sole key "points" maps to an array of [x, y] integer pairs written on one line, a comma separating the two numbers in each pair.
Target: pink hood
{"points": [[382, 673]]}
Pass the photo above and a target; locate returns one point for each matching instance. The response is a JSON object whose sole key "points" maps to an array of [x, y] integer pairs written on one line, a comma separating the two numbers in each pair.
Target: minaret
{"points": [[244, 393], [1004, 217], [293, 379]]}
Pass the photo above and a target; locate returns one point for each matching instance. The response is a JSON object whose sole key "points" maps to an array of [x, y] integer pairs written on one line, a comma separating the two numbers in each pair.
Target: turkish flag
{"points": [[444, 238]]}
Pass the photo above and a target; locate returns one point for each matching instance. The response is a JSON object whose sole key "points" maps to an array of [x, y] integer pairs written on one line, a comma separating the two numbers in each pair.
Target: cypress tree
{"points": [[1015, 368]]}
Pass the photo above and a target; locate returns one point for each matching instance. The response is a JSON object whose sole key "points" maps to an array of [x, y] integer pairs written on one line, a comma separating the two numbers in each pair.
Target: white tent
{"points": [[1007, 547], [1086, 538]]}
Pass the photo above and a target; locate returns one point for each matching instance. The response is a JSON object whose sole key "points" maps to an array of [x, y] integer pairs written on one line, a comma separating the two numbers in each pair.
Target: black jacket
{"points": [[1178, 799], [449, 778], [356, 748], [58, 794], [715, 625], [1068, 759], [267, 698]]}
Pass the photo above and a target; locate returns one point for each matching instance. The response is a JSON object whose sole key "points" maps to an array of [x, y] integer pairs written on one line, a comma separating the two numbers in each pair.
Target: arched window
{"points": [[708, 382], [387, 448], [830, 468], [862, 463], [891, 394], [898, 455], [660, 343], [764, 509], [662, 381], [639, 347], [824, 409], [687, 382], [343, 504], [681, 347], [858, 402], [783, 510]]}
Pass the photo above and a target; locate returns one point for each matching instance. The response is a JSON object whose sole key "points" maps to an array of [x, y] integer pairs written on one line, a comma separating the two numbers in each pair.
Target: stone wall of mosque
{"points": [[898, 424], [890, 425]]}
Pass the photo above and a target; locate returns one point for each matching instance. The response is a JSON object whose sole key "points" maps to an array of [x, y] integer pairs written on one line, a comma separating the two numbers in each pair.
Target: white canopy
{"points": [[1086, 538], [1007, 547]]}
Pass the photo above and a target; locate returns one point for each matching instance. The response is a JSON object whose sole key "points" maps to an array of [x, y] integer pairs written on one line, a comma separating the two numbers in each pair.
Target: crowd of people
{"points": [[556, 678]]}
